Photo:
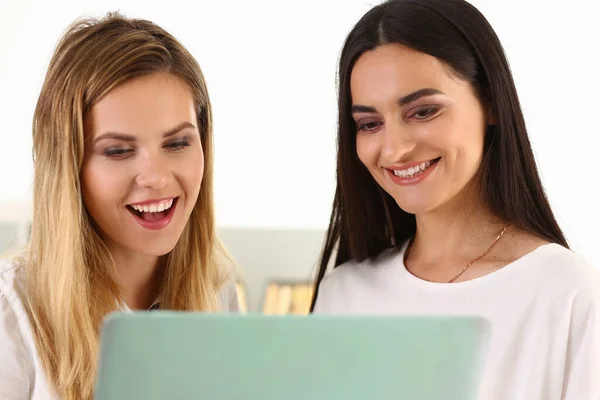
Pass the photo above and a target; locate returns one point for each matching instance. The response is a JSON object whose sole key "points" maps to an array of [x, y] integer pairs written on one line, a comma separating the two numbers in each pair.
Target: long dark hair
{"points": [[365, 220]]}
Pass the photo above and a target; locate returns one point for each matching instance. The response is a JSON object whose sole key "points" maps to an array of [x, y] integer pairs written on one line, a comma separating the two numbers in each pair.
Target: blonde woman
{"points": [[123, 210]]}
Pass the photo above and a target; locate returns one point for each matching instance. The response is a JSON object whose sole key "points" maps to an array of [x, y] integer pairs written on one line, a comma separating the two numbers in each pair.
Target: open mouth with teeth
{"points": [[415, 170], [155, 211]]}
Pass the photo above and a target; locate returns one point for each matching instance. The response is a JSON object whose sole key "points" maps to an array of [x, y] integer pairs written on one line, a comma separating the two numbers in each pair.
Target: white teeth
{"points": [[154, 207], [412, 171]]}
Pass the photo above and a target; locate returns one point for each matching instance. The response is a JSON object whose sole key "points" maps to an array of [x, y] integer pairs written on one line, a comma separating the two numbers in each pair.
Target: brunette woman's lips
{"points": [[412, 173]]}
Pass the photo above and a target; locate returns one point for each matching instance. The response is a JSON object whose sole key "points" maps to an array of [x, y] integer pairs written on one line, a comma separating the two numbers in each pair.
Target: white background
{"points": [[270, 68]]}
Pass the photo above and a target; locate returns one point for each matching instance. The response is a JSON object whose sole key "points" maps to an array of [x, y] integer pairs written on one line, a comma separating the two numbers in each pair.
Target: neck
{"points": [[457, 232], [139, 278]]}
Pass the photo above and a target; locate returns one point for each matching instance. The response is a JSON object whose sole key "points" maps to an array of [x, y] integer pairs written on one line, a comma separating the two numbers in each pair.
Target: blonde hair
{"points": [[69, 273]]}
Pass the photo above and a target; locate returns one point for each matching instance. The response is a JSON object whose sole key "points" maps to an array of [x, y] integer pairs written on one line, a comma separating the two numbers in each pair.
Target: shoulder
{"points": [[228, 297], [226, 273], [573, 281], [563, 265], [353, 278], [12, 281], [563, 273], [557, 264], [12, 290], [15, 363], [365, 270]]}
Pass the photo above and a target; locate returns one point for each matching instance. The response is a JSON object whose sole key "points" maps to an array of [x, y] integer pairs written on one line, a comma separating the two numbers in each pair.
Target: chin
{"points": [[157, 248], [412, 210], [413, 207]]}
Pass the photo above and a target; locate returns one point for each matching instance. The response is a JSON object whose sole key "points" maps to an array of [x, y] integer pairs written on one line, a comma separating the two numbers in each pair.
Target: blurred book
{"points": [[283, 298], [242, 296]]}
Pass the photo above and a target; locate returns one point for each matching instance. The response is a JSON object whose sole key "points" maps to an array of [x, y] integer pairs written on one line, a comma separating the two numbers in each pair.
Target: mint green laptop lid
{"points": [[168, 355]]}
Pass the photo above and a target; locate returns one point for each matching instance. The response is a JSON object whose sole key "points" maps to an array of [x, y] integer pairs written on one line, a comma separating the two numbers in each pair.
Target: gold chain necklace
{"points": [[472, 261]]}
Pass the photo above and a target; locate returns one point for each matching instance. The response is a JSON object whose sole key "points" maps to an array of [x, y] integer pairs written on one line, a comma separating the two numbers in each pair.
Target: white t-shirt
{"points": [[544, 311], [21, 373]]}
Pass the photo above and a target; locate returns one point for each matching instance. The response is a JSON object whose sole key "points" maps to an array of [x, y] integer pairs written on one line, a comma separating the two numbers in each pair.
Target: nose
{"points": [[397, 142], [152, 171]]}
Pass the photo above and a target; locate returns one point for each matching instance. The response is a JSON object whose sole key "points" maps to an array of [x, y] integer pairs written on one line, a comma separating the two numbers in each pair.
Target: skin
{"points": [[409, 107], [142, 143]]}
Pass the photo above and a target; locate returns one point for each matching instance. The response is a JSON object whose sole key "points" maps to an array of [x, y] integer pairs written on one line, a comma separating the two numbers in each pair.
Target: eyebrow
{"points": [[402, 101], [130, 138]]}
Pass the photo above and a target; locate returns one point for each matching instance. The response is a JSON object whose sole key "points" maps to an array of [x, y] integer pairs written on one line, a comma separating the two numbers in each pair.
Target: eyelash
{"points": [[120, 153], [430, 112], [116, 153], [363, 127], [178, 146]]}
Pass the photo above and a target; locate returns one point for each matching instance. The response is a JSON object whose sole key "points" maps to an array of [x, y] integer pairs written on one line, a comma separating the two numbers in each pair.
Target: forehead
{"points": [[393, 70], [148, 104]]}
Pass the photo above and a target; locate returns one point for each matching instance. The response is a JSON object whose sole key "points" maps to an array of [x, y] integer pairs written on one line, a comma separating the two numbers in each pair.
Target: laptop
{"points": [[180, 355]]}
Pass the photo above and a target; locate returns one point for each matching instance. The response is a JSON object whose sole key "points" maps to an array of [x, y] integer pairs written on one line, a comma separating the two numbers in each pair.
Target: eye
{"points": [[424, 113], [368, 126], [116, 152], [178, 145]]}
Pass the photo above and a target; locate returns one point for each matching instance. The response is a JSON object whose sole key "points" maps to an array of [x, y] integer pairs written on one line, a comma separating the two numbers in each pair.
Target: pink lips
{"points": [[404, 181]]}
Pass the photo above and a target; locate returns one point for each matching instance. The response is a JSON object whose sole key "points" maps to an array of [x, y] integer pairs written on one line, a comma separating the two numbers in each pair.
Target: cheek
{"points": [[468, 132], [98, 183], [454, 138], [442, 134], [194, 170], [468, 145], [367, 149], [96, 190]]}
